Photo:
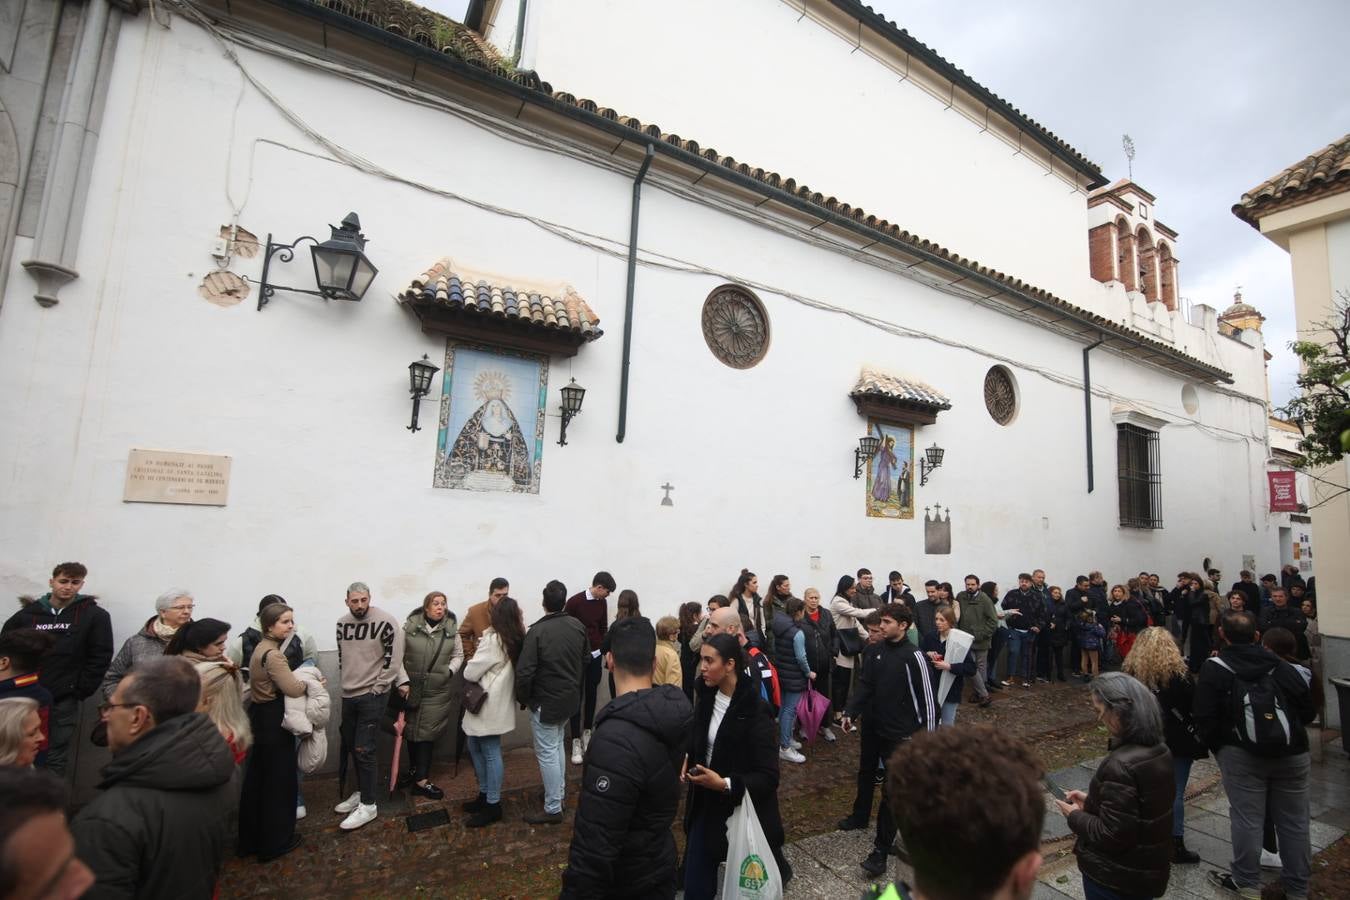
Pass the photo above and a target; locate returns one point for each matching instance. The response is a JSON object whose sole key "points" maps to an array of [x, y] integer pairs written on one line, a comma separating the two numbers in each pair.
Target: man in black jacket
{"points": [[74, 668], [1078, 599], [158, 829], [1024, 613], [548, 684], [622, 845], [1272, 782], [896, 696], [1284, 615]]}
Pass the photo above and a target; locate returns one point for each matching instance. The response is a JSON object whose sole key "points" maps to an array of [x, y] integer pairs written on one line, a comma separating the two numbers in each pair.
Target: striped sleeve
{"points": [[930, 717]]}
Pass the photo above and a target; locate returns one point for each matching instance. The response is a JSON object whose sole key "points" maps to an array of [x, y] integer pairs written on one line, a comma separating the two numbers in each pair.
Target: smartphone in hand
{"points": [[1055, 790], [695, 770]]}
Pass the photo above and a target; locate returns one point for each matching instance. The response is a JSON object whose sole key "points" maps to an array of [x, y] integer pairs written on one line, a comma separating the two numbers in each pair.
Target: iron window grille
{"points": [[1140, 477]]}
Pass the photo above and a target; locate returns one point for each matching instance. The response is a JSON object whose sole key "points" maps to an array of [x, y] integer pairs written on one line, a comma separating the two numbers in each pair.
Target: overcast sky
{"points": [[1218, 97]]}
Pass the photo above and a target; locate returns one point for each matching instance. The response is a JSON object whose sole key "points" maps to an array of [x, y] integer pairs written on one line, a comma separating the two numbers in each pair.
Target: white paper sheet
{"points": [[958, 645]]}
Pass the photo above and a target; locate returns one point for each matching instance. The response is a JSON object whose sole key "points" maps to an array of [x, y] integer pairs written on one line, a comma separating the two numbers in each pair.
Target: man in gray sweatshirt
{"points": [[370, 658]]}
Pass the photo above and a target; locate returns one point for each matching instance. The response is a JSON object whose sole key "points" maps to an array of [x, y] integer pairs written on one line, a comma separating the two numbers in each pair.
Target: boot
{"points": [[473, 806], [491, 812], [1181, 855]]}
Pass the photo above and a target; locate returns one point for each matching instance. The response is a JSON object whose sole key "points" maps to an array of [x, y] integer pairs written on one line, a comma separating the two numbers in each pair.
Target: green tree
{"points": [[1322, 407]]}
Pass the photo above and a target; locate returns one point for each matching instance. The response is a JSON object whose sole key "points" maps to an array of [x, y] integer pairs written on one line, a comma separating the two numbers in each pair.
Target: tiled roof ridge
{"points": [[1323, 172], [443, 284], [874, 380], [425, 26], [902, 36], [651, 133]]}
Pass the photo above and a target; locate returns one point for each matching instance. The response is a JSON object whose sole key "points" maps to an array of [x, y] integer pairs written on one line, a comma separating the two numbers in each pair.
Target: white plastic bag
{"points": [[752, 873]]}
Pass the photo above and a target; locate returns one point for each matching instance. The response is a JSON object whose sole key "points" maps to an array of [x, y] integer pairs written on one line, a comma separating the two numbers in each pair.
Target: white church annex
{"points": [[990, 295]]}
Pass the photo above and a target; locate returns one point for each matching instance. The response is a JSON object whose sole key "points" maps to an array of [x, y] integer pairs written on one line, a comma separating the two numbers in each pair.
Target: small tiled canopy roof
{"points": [[463, 306], [1325, 172], [891, 396]]}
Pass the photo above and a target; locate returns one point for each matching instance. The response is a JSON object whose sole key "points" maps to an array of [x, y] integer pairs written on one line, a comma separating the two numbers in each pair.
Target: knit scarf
{"points": [[162, 631]]}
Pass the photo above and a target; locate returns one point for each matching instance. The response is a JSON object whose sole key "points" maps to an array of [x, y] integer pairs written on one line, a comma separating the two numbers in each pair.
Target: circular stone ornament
{"points": [[735, 326], [1000, 395]]}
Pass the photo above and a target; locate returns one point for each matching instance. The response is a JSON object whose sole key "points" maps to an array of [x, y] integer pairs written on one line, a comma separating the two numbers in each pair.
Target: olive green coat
{"points": [[431, 657]]}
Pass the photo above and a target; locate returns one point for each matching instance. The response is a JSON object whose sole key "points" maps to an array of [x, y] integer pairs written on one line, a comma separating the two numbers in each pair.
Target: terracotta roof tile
{"points": [[1325, 172], [873, 383], [442, 285], [473, 51]]}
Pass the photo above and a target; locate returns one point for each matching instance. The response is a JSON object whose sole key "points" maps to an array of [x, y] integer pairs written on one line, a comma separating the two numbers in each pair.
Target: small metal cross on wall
{"points": [[666, 501]]}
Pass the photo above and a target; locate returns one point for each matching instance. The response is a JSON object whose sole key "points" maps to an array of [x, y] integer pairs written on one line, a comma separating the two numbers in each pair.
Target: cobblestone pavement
{"points": [[513, 859]]}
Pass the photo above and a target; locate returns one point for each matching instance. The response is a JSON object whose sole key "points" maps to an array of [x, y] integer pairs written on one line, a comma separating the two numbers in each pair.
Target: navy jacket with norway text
{"points": [[622, 844], [77, 662]]}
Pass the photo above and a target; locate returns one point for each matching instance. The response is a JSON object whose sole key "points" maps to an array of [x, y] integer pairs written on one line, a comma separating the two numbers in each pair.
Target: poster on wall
{"points": [[492, 420], [890, 473], [1283, 492]]}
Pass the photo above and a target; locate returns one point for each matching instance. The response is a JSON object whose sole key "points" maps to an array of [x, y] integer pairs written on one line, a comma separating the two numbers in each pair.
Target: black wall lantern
{"points": [[867, 448], [934, 456], [572, 395], [420, 373], [341, 269]]}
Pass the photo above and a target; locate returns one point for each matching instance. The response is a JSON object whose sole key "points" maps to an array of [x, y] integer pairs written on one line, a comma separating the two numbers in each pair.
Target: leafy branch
{"points": [[1322, 407]]}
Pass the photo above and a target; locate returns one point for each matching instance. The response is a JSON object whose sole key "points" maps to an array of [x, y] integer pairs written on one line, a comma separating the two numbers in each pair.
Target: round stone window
{"points": [[1190, 399], [735, 326], [1000, 395]]}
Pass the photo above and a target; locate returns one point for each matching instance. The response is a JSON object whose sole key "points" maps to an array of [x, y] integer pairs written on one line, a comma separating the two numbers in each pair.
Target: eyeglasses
{"points": [[188, 608], [104, 707]]}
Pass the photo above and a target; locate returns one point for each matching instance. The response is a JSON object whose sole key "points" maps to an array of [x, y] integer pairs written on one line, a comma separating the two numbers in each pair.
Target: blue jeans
{"points": [[1020, 644], [1181, 768], [1094, 891], [700, 868], [548, 749], [787, 717], [949, 712], [486, 753]]}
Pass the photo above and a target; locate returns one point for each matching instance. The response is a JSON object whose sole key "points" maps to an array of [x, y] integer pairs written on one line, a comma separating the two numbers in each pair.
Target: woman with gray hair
{"points": [[173, 610], [20, 731], [1124, 821]]}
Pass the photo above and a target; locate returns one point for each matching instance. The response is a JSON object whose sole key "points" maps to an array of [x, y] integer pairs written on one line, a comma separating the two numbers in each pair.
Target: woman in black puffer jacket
{"points": [[1124, 821]]}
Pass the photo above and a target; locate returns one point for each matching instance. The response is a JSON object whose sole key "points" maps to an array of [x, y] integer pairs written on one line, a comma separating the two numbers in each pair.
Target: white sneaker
{"points": [[828, 735], [795, 744], [299, 813], [585, 740], [1271, 860], [576, 751], [349, 804], [362, 815], [789, 755]]}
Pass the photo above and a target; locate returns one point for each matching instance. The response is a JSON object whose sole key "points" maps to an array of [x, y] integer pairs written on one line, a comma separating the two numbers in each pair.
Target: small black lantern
{"points": [[342, 270], [867, 448], [933, 461], [420, 373], [572, 395]]}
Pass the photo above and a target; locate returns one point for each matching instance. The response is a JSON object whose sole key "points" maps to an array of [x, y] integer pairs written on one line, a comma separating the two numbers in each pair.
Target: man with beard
{"points": [[370, 658]]}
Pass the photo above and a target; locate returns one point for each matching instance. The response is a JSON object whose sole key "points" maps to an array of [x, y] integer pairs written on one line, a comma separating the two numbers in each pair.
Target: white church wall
{"points": [[310, 398], [758, 81]]}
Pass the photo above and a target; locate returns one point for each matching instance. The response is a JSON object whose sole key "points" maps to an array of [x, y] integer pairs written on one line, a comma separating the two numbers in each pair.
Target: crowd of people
{"points": [[704, 711]]}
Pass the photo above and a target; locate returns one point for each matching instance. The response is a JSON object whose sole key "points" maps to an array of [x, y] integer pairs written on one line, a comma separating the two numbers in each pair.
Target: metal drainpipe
{"points": [[520, 32], [1087, 407], [628, 302]]}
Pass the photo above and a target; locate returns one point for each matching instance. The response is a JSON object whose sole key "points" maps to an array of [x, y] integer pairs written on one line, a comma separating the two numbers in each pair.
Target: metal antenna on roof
{"points": [[1127, 143]]}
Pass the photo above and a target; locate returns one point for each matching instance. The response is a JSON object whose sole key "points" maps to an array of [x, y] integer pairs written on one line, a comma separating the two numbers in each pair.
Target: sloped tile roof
{"points": [[442, 286], [1325, 172], [477, 54], [873, 383]]}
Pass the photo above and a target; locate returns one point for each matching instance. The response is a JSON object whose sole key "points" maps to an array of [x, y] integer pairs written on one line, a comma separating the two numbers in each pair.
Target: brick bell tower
{"points": [[1127, 244]]}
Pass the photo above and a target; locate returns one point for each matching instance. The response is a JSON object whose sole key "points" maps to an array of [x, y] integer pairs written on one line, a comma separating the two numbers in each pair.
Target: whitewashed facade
{"points": [[309, 398]]}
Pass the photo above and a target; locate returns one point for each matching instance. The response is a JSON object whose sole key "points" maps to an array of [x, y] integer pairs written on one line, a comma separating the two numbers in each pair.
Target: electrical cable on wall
{"points": [[647, 258]]}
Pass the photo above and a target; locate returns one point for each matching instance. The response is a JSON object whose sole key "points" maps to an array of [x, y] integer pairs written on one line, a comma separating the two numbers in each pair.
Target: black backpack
{"points": [[1262, 724]]}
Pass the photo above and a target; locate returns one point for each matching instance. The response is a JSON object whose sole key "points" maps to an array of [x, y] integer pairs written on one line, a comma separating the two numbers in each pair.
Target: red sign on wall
{"points": [[1283, 493]]}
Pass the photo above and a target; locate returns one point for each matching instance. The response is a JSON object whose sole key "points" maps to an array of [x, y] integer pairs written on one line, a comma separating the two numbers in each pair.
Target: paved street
{"points": [[827, 865]]}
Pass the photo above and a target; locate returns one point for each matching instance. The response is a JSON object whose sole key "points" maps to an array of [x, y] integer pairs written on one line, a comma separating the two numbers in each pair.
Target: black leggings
{"points": [[419, 757], [590, 684], [839, 684]]}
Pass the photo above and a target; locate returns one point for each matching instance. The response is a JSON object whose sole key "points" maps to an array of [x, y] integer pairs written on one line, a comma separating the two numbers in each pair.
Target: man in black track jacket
{"points": [[895, 695], [622, 844]]}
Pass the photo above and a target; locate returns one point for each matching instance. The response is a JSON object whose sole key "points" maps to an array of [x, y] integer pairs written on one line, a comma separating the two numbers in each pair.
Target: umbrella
{"points": [[811, 711], [398, 747]]}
